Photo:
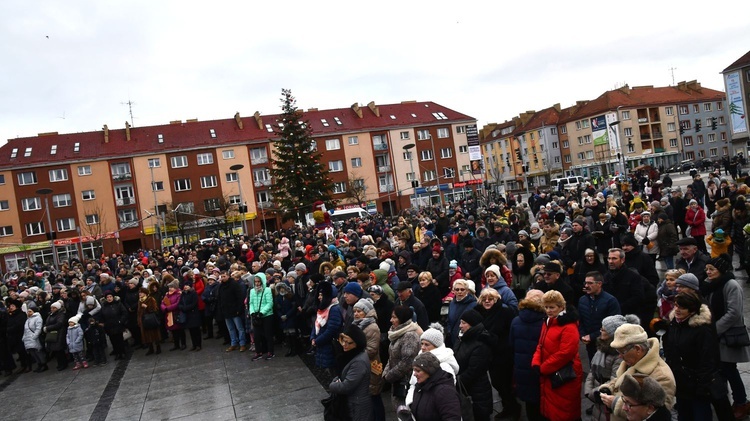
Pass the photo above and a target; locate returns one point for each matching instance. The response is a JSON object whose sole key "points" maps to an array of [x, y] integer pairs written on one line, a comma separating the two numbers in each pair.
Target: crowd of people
{"points": [[439, 306]]}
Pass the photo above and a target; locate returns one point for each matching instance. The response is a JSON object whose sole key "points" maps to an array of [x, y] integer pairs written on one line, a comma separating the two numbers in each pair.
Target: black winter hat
{"points": [[472, 317]]}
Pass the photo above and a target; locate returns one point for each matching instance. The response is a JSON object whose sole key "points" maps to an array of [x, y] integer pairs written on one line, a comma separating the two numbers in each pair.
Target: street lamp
{"points": [[620, 151], [414, 182], [437, 179], [243, 205], [46, 192]]}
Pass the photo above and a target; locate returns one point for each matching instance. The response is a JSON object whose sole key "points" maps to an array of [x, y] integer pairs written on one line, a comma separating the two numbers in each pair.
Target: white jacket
{"points": [[447, 362], [32, 329], [651, 231]]}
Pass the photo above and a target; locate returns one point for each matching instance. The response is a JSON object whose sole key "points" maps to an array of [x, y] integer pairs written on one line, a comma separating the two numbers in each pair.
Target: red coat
{"points": [[199, 287], [558, 344], [696, 219]]}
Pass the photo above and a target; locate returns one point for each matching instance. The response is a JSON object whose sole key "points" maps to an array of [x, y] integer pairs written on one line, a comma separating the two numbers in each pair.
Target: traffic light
{"points": [[713, 123], [697, 125], [518, 154], [682, 129]]}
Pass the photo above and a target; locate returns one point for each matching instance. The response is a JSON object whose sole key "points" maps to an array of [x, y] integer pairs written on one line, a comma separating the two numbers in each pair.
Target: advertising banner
{"points": [[475, 151], [613, 134], [599, 130], [736, 105]]}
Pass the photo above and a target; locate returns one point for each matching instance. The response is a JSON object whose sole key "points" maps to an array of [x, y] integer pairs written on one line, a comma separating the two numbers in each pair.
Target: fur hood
{"points": [[484, 261], [702, 318], [570, 315]]}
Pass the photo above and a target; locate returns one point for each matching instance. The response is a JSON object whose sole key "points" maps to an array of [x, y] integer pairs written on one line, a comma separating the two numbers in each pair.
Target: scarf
{"points": [[715, 290], [322, 317], [363, 322], [396, 333]]}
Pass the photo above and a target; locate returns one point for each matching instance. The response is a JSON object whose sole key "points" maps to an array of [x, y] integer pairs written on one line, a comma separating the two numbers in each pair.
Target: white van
{"points": [[339, 216], [563, 183]]}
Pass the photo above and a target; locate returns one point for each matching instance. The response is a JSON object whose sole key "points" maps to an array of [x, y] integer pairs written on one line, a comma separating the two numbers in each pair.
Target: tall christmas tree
{"points": [[299, 177]]}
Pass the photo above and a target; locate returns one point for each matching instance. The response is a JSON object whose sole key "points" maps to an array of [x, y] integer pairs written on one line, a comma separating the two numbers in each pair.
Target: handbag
{"points": [[399, 389], [181, 318], [736, 337], [51, 336], [126, 335], [563, 375], [335, 408], [150, 321], [257, 317], [465, 401]]}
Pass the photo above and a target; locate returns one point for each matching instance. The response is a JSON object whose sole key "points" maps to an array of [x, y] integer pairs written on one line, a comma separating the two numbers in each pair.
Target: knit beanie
{"points": [[174, 284], [300, 267], [353, 288], [494, 269], [90, 301], [611, 323], [629, 239], [75, 319], [57, 304], [434, 335], [365, 305], [472, 317], [427, 362], [403, 313], [723, 263], [688, 280]]}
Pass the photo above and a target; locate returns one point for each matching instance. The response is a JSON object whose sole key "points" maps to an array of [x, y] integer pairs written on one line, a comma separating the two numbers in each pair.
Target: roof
{"points": [[185, 135], [741, 62]]}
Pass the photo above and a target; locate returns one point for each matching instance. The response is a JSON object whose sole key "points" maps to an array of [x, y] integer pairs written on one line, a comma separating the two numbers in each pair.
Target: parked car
{"points": [[682, 166], [703, 163]]}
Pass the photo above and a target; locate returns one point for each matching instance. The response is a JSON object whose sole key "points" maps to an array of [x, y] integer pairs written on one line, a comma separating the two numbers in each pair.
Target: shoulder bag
{"points": [[257, 317], [464, 399], [736, 337], [51, 336], [335, 408], [150, 321], [563, 375]]}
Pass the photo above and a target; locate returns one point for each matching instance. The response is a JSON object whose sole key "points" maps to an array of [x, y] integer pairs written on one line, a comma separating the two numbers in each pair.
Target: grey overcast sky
{"points": [[71, 66]]}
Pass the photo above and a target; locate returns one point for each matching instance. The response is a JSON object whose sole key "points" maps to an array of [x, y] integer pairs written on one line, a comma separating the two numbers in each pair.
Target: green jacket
{"points": [[260, 302]]}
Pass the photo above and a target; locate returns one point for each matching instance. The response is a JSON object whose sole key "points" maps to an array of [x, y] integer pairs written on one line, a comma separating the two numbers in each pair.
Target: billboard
{"points": [[736, 106], [599, 130], [613, 134], [475, 151]]}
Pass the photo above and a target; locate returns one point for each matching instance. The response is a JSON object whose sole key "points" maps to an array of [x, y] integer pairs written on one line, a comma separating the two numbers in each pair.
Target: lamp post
{"points": [[437, 179], [46, 192], [156, 210], [243, 206], [414, 182], [615, 127]]}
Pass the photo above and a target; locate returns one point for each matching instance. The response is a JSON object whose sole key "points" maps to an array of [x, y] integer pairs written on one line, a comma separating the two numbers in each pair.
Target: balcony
{"points": [[380, 146], [122, 176], [125, 201], [265, 205], [658, 150], [261, 183], [384, 168], [642, 120], [128, 224], [658, 135], [258, 160], [385, 188], [645, 136]]}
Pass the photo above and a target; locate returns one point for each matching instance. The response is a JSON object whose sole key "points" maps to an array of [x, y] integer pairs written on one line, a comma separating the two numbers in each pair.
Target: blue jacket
{"points": [[524, 338], [75, 338], [324, 357], [592, 312], [456, 309], [287, 307], [509, 298]]}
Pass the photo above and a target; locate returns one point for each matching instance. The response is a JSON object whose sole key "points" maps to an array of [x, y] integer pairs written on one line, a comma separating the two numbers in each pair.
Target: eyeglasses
{"points": [[628, 405], [459, 289], [489, 299]]}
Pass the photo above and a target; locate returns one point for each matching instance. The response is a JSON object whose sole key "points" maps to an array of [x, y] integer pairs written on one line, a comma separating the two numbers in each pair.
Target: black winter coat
{"points": [[432, 300], [436, 399], [189, 306], [625, 285], [115, 317], [57, 321], [473, 354], [231, 300]]}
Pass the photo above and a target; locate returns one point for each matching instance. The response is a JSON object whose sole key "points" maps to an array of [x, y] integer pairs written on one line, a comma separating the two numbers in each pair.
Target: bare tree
{"points": [[223, 213], [356, 189], [181, 216]]}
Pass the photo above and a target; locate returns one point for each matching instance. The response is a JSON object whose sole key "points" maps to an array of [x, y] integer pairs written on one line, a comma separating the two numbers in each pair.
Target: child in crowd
{"points": [[75, 342], [719, 242], [97, 338]]}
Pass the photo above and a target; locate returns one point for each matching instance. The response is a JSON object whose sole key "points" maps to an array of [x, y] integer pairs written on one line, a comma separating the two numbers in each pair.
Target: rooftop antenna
{"points": [[671, 70], [130, 104]]}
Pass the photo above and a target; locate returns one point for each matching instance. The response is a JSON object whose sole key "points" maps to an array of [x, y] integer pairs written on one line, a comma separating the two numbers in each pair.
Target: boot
{"points": [[78, 366], [158, 349], [150, 349], [292, 342], [85, 364]]}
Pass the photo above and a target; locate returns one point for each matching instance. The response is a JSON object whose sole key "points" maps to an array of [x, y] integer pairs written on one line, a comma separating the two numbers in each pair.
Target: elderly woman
{"points": [[170, 307], [643, 398], [436, 397], [433, 341], [354, 381], [150, 335], [463, 300], [474, 353], [32, 331], [558, 348], [725, 299], [524, 339], [404, 337], [115, 317], [56, 322], [189, 308], [365, 318]]}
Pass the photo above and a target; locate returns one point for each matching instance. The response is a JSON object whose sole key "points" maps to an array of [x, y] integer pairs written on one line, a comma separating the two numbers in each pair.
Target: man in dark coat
{"points": [[405, 297], [636, 258], [231, 306], [593, 308], [469, 262], [579, 241], [625, 284], [691, 259], [554, 280]]}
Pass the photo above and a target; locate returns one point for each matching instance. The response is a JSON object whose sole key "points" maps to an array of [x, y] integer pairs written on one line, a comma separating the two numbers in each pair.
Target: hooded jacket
{"points": [[32, 329], [260, 301], [436, 399], [525, 330]]}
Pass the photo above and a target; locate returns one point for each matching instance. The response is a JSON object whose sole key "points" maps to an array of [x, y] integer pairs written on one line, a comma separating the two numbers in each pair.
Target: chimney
{"points": [[356, 109], [106, 133], [694, 85], [374, 108], [258, 120], [175, 122], [312, 110], [557, 107], [238, 119], [682, 86], [127, 131]]}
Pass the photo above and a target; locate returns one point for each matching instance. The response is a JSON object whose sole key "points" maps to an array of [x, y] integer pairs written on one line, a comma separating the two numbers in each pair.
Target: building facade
{"points": [[737, 85], [66, 195]]}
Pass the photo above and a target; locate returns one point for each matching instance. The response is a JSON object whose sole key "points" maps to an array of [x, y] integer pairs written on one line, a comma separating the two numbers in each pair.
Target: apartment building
{"points": [[737, 85], [65, 195]]}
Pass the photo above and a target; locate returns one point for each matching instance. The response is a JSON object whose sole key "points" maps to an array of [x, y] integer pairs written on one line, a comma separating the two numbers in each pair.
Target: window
{"points": [[4, 205], [356, 162], [463, 149], [179, 161], [154, 162], [186, 207], [88, 195], [6, 231], [34, 228], [580, 140], [228, 154], [696, 108], [231, 177], [26, 178], [673, 143], [31, 204], [429, 175], [84, 170], [2, 179], [121, 171], [567, 157], [182, 184], [211, 205], [460, 129], [557, 160], [404, 135], [719, 106], [53, 150], [410, 176], [14, 153], [92, 219], [234, 199], [353, 140], [27, 153], [449, 172], [61, 200], [263, 197], [205, 158], [565, 144], [313, 146], [426, 155], [589, 154], [711, 137], [701, 153], [124, 195], [713, 152], [553, 130], [324, 122], [699, 138], [564, 129], [668, 111], [671, 127], [628, 131], [262, 176], [578, 125], [442, 133], [157, 186], [587, 138], [686, 124], [721, 119], [128, 218], [208, 181], [338, 121], [160, 138], [339, 187], [332, 144], [335, 166], [212, 132], [66, 224], [631, 147], [706, 106], [58, 175], [423, 134], [723, 136], [687, 140], [446, 153], [76, 147], [683, 109], [626, 115]]}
